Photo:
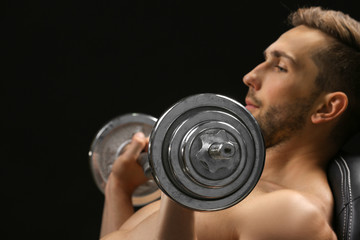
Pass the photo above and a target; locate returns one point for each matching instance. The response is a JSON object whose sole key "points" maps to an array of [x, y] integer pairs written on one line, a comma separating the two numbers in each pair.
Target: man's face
{"points": [[282, 88]]}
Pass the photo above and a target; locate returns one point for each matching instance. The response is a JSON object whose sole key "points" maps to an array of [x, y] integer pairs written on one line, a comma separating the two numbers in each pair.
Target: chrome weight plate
{"points": [[107, 146], [207, 152]]}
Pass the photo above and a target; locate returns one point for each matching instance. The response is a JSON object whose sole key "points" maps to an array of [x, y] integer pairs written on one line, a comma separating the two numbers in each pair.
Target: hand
{"points": [[126, 172]]}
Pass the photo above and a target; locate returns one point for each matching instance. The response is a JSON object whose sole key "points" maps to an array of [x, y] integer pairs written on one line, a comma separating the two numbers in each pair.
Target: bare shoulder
{"points": [[285, 214], [139, 216]]}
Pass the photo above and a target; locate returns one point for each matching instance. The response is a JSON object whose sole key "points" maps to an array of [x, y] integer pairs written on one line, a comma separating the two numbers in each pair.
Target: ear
{"points": [[332, 106]]}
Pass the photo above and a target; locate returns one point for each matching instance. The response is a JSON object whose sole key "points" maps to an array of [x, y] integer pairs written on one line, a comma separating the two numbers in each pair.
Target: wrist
{"points": [[117, 206], [115, 186]]}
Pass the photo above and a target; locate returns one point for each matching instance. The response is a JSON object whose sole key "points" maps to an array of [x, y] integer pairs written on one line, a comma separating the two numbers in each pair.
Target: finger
{"points": [[137, 145], [147, 144]]}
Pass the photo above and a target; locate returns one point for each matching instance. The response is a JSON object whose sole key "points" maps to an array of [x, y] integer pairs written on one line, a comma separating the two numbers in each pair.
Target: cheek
{"points": [[275, 91], [281, 89]]}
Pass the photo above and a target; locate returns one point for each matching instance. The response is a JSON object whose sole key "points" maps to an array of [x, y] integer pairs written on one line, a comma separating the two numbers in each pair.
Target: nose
{"points": [[253, 78]]}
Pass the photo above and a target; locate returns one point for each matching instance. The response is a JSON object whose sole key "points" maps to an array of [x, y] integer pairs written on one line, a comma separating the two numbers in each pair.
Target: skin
{"points": [[292, 199]]}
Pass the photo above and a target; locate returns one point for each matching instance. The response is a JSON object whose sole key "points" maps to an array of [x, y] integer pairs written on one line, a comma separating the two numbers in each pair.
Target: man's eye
{"points": [[281, 69]]}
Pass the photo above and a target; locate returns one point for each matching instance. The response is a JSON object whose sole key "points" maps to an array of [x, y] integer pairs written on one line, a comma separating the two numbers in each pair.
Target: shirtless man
{"points": [[302, 96]]}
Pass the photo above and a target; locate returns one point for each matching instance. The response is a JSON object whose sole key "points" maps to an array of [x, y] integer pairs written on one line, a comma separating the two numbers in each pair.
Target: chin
{"points": [[254, 112]]}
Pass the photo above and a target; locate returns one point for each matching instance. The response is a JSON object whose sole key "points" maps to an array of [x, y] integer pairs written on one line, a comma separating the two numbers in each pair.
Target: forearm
{"points": [[117, 207], [175, 222]]}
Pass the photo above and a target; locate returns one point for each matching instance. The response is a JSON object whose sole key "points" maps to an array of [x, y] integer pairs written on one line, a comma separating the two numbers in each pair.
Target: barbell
{"points": [[206, 152]]}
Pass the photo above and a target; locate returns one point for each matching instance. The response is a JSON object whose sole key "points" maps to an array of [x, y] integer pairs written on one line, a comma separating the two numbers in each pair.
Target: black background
{"points": [[70, 66]]}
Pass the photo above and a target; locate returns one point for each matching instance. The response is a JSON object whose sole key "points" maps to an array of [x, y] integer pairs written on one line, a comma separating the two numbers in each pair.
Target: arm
{"points": [[170, 222], [125, 177], [175, 221]]}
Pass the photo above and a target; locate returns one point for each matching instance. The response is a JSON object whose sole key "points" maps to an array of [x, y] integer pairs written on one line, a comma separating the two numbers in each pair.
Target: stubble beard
{"points": [[279, 123]]}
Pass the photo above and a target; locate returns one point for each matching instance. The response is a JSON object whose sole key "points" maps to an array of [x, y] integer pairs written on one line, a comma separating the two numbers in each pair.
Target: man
{"points": [[304, 96]]}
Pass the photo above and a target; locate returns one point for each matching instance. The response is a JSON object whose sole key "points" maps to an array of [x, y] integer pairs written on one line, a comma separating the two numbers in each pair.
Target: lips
{"points": [[250, 105]]}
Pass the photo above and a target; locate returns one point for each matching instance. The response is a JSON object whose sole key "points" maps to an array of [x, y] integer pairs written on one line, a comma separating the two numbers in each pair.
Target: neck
{"points": [[297, 159]]}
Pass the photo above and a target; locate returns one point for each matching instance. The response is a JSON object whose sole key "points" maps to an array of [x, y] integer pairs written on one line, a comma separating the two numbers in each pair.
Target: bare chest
{"points": [[214, 226], [225, 224]]}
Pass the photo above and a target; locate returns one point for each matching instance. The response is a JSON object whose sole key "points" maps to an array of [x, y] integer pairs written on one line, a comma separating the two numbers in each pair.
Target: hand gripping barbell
{"points": [[206, 152]]}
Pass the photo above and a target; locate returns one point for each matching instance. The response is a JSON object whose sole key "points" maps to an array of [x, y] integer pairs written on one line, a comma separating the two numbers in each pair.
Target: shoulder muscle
{"points": [[286, 214]]}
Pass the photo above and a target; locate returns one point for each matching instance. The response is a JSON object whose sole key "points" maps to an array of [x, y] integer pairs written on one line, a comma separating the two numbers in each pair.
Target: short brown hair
{"points": [[338, 62]]}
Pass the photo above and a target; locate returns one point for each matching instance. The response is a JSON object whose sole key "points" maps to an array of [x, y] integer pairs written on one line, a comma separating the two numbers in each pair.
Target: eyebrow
{"points": [[279, 53]]}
